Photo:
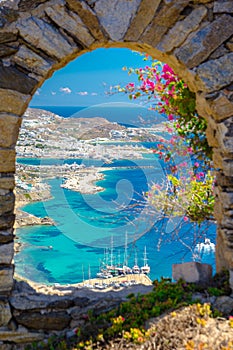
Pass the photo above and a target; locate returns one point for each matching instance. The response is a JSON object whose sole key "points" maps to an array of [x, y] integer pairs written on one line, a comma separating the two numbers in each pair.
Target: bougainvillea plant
{"points": [[168, 94], [189, 195]]}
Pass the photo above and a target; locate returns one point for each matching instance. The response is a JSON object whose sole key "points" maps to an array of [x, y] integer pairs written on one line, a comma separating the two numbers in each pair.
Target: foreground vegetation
{"points": [[129, 325]]}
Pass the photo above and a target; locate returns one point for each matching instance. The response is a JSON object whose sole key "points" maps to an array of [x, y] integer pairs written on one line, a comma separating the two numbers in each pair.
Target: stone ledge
{"points": [[20, 336]]}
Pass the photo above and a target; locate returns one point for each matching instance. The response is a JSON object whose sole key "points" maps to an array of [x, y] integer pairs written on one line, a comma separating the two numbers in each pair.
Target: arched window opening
{"points": [[86, 167]]}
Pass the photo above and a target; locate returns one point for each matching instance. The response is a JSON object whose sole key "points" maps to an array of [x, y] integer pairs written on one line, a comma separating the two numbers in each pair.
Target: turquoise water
{"points": [[85, 225]]}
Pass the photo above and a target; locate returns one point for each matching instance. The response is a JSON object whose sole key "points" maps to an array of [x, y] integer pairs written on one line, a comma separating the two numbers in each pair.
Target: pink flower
{"points": [[190, 150], [196, 164], [199, 175], [186, 218], [169, 129], [166, 68], [170, 117]]}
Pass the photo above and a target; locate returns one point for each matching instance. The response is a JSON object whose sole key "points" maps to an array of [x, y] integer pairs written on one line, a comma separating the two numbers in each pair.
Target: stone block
{"points": [[58, 320], [6, 236], [164, 19], [28, 5], [9, 130], [88, 17], [227, 167], [227, 199], [7, 182], [6, 253], [30, 60], [7, 15], [221, 107], [115, 16], [218, 159], [13, 102], [223, 6], [220, 51], [200, 45], [180, 31], [71, 23], [7, 221], [7, 160], [5, 313], [13, 79], [8, 37], [45, 37], [211, 133], [38, 301], [8, 49], [224, 304], [142, 19], [192, 272], [224, 181], [7, 202], [231, 280], [6, 279], [224, 135], [20, 336], [223, 73], [224, 258]]}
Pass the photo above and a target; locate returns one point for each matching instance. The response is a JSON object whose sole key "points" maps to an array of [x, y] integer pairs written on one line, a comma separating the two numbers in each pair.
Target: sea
{"points": [[116, 223]]}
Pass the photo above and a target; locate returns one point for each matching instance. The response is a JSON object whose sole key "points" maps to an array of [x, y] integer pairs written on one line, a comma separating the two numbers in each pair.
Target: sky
{"points": [[86, 80]]}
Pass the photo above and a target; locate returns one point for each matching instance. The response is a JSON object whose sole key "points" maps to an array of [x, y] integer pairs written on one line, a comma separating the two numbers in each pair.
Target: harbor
{"points": [[116, 283]]}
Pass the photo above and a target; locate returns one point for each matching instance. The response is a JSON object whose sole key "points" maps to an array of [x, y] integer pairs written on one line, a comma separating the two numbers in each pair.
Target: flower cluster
{"points": [[169, 95], [136, 335], [190, 195]]}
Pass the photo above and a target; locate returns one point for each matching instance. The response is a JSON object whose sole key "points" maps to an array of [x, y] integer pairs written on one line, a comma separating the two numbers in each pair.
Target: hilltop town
{"points": [[47, 135]]}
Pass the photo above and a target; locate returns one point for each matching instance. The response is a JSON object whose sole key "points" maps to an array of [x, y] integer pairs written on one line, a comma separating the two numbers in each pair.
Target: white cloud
{"points": [[37, 93], [94, 94], [82, 93], [66, 90], [53, 93]]}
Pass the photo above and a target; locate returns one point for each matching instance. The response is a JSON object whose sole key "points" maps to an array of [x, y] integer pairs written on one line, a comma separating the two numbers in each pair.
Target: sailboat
{"points": [[88, 283], [125, 268], [104, 273], [145, 268], [135, 268]]}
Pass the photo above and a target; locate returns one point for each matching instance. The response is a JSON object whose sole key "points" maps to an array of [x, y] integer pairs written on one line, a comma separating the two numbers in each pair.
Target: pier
{"points": [[116, 282]]}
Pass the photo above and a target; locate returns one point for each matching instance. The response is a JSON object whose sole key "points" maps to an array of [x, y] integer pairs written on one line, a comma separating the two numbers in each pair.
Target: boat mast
{"points": [[111, 253], [89, 273], [125, 253], [135, 258], [145, 257], [83, 273]]}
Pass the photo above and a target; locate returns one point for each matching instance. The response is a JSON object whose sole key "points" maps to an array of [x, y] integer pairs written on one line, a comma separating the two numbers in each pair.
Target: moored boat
{"points": [[145, 268]]}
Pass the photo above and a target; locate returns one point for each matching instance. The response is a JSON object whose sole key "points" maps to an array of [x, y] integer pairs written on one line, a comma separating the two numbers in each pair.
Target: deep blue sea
{"points": [[87, 224], [124, 113]]}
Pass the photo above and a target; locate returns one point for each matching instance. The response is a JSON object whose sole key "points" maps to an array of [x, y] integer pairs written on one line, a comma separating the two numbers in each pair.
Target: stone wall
{"points": [[40, 312], [195, 38]]}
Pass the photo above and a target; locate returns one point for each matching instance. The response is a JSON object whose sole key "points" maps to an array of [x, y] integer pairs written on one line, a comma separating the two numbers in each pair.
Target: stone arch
{"points": [[37, 37]]}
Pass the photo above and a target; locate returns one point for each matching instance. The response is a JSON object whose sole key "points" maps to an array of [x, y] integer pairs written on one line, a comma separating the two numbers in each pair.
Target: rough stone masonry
{"points": [[37, 37]]}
